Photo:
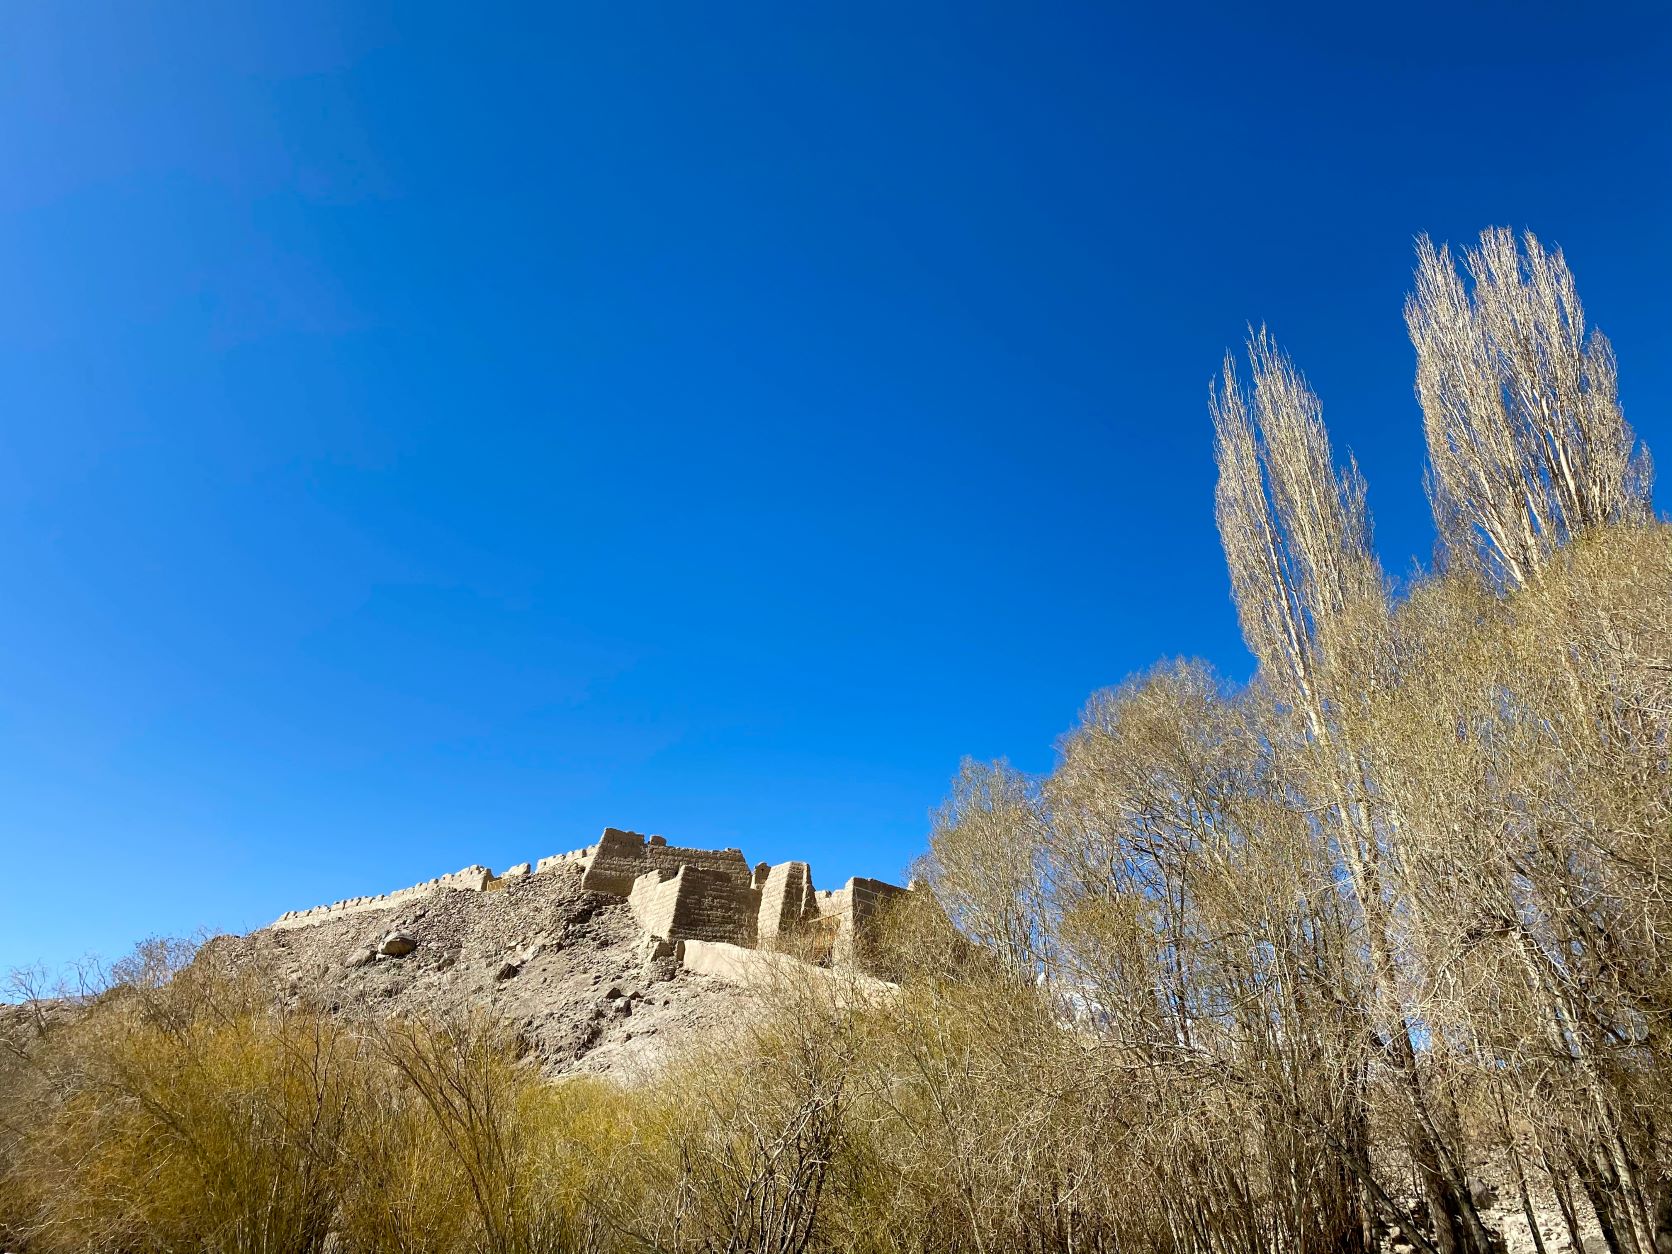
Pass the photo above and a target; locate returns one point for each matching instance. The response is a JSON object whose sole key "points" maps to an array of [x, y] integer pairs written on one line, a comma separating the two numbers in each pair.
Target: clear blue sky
{"points": [[432, 433]]}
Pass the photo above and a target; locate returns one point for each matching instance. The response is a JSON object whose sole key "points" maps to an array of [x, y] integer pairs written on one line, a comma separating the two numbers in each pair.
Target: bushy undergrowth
{"points": [[181, 1109], [189, 1114]]}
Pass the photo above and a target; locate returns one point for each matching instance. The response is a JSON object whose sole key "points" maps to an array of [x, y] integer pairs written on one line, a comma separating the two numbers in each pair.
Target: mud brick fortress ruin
{"points": [[709, 896]]}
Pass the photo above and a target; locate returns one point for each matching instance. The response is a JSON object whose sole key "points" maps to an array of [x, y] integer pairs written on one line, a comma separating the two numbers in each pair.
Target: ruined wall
{"points": [[831, 905], [669, 858], [677, 893], [652, 902], [617, 860], [620, 857], [712, 904], [866, 898], [853, 907], [696, 903], [471, 878], [786, 899], [575, 857], [761, 968]]}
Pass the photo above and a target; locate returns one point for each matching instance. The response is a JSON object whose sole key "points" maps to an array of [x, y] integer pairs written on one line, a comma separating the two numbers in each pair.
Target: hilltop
{"points": [[603, 959]]}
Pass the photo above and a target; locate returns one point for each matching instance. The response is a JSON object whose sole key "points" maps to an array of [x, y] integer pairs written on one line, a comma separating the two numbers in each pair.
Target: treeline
{"points": [[1285, 967], [1399, 910]]}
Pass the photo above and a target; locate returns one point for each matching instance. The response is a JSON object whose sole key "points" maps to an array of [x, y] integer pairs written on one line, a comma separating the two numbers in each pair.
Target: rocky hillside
{"points": [[570, 969]]}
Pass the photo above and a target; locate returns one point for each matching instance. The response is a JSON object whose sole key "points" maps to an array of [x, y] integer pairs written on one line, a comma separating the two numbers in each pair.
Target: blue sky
{"points": [[428, 436]]}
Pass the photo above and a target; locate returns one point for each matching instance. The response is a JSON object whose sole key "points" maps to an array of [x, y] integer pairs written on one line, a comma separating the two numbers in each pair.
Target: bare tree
{"points": [[982, 863], [1295, 530], [1527, 444], [1297, 541]]}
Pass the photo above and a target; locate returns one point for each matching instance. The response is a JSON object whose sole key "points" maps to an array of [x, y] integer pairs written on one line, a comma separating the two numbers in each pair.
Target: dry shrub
{"points": [[748, 1136], [459, 1144], [181, 1110], [177, 1117]]}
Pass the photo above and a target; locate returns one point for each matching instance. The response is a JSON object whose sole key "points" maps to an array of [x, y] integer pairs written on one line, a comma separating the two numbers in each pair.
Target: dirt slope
{"points": [[569, 969]]}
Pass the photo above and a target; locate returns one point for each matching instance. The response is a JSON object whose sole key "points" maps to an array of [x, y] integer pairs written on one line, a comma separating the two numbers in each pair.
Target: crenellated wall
{"points": [[471, 878], [675, 893]]}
